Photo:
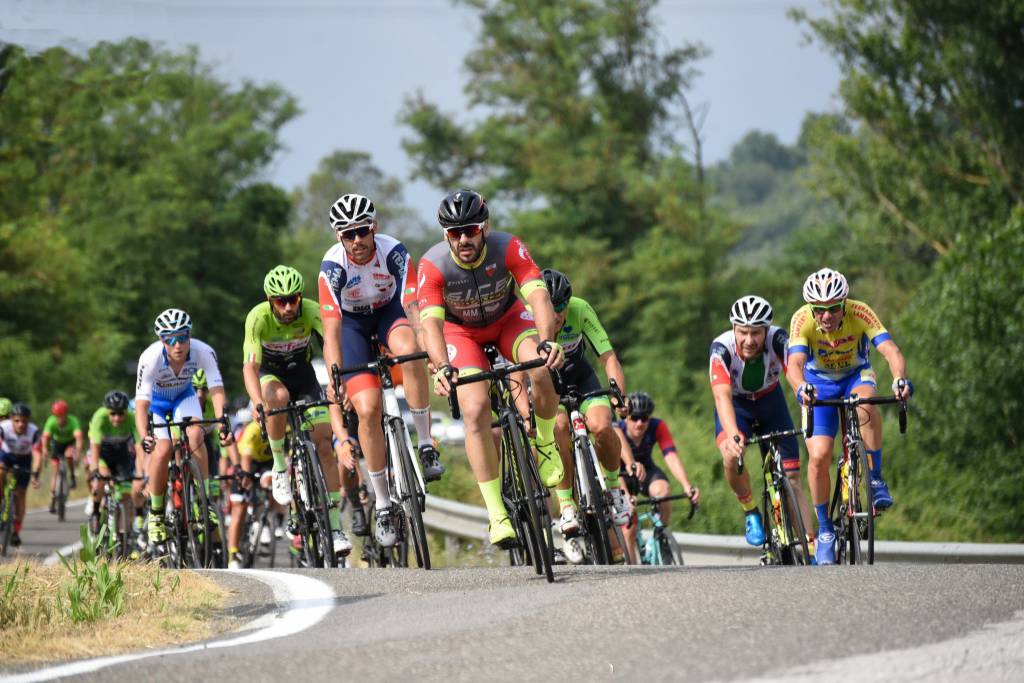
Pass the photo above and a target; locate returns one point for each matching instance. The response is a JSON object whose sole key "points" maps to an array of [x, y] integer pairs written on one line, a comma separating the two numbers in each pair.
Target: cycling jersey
{"points": [[657, 433], [279, 346], [581, 323], [253, 445], [751, 379], [350, 287], [18, 445], [103, 431], [158, 382], [65, 434], [480, 293], [840, 354]]}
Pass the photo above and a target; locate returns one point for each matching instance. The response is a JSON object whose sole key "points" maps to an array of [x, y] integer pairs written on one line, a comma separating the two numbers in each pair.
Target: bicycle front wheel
{"points": [[413, 497], [62, 489], [592, 504], [794, 549], [532, 487], [864, 521], [196, 516], [6, 521], [320, 504]]}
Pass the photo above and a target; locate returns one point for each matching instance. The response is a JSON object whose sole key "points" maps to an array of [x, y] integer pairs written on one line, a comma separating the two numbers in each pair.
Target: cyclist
{"points": [[20, 454], [577, 321], [62, 438], [116, 451], [637, 435], [164, 387], [214, 451], [277, 368], [746, 365], [467, 299], [828, 356], [365, 289], [256, 460]]}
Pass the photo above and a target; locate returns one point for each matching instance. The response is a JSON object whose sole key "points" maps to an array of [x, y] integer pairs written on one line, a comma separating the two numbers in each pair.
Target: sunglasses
{"points": [[639, 418], [467, 230], [286, 300], [834, 308], [175, 339], [561, 307], [115, 413], [352, 233]]}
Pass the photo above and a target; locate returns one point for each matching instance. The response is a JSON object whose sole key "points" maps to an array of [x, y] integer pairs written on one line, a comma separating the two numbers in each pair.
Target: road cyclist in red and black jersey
{"points": [[366, 292], [578, 328], [467, 293], [638, 434], [746, 365], [20, 457]]}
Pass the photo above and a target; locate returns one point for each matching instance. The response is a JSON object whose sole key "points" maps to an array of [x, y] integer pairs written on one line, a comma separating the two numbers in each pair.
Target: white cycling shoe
{"points": [[281, 488], [620, 506], [384, 528], [234, 564], [265, 536], [569, 524], [342, 546], [573, 551]]}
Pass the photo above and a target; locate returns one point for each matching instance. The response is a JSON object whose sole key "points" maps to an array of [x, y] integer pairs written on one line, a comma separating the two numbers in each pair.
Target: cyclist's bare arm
{"points": [[626, 455], [79, 442], [795, 370], [894, 357], [727, 416], [675, 466], [613, 369], [412, 312], [142, 417], [251, 379], [433, 338], [544, 318]]}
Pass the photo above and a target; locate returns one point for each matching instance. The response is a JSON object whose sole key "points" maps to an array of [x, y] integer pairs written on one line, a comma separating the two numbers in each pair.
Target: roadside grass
{"points": [[90, 607]]}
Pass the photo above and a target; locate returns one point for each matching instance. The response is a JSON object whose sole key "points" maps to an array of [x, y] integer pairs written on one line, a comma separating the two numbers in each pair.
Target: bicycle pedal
{"points": [[508, 543]]}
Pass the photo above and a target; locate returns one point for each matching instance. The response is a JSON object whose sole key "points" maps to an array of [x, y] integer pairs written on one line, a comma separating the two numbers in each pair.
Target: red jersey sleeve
{"points": [[664, 437], [429, 286], [329, 306], [409, 286], [520, 263]]}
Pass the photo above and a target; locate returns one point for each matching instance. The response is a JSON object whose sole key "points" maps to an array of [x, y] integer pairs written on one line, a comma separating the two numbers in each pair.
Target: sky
{"points": [[352, 63]]}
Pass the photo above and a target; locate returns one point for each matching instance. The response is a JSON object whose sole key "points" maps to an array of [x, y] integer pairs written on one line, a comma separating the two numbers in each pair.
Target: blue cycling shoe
{"points": [[825, 550], [880, 496], [755, 529]]}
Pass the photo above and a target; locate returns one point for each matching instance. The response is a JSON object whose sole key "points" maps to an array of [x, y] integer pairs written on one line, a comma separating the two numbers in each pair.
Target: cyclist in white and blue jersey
{"points": [[164, 387]]}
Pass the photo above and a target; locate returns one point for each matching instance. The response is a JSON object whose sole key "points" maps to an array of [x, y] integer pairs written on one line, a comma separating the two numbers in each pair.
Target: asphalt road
{"points": [[887, 622]]}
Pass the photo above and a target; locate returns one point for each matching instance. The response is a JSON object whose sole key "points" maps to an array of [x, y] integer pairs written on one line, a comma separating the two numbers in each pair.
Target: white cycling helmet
{"points": [[351, 209], [825, 285], [171, 321], [751, 310]]}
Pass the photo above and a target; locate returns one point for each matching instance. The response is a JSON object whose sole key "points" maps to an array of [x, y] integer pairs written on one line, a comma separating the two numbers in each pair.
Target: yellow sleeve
{"points": [[801, 329], [869, 322]]}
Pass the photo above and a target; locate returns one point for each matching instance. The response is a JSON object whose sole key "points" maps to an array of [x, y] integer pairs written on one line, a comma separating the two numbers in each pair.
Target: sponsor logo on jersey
{"points": [[837, 343], [523, 254], [490, 268], [353, 282], [526, 315], [327, 307], [451, 352]]}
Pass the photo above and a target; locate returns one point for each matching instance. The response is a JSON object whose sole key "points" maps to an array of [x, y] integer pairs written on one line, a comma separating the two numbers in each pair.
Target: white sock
{"points": [[379, 480], [421, 418]]}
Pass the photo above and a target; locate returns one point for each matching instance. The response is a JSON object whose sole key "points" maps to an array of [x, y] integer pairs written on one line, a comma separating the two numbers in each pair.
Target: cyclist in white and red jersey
{"points": [[746, 365], [467, 299], [365, 290], [20, 456]]}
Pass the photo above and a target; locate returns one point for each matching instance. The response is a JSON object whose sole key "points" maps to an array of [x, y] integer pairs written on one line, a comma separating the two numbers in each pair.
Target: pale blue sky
{"points": [[350, 64]]}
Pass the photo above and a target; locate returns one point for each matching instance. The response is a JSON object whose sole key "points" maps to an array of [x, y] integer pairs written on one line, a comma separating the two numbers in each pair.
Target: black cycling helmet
{"points": [[558, 286], [462, 207], [640, 403], [116, 400], [21, 410]]}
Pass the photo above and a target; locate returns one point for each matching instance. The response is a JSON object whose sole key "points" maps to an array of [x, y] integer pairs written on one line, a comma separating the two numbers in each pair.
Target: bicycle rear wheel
{"points": [[413, 498], [534, 496], [794, 550]]}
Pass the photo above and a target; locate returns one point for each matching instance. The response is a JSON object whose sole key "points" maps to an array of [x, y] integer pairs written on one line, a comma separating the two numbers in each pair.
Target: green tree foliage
{"points": [[129, 182], [337, 174]]}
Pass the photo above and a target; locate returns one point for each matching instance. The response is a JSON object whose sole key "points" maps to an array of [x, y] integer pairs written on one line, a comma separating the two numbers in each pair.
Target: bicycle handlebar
{"points": [[494, 373], [853, 401], [293, 406], [612, 391], [664, 499], [385, 361]]}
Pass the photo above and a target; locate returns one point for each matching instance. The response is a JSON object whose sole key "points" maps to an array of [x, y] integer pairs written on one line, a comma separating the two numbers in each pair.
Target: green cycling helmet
{"points": [[283, 281], [199, 379], [5, 407]]}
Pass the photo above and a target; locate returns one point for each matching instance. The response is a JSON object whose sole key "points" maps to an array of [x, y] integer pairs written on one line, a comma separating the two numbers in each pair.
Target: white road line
{"points": [[302, 602]]}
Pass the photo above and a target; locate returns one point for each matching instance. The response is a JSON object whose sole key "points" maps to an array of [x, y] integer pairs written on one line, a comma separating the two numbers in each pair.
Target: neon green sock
{"points": [[335, 513], [611, 477], [564, 498], [214, 488], [277, 450], [491, 491], [157, 503], [206, 487], [545, 429]]}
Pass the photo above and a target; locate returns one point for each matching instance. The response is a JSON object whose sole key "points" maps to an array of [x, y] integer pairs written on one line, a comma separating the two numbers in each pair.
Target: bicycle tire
{"points": [[513, 494], [197, 528], [413, 499], [796, 551], [532, 487], [671, 554], [6, 520], [592, 505], [865, 524], [620, 539], [219, 549], [321, 508], [268, 523], [62, 489]]}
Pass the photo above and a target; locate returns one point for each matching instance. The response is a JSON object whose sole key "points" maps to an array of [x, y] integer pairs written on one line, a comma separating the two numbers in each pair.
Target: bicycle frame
{"points": [[774, 500], [649, 546]]}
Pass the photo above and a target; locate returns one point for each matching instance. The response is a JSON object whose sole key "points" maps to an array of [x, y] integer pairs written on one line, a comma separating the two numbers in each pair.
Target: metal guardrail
{"points": [[469, 521]]}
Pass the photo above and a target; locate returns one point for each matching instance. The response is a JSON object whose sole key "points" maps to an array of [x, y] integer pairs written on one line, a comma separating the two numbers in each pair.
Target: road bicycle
{"points": [[590, 490], [258, 522], [786, 539], [525, 497], [311, 504], [112, 533], [851, 510], [60, 491], [408, 489], [7, 508], [655, 545]]}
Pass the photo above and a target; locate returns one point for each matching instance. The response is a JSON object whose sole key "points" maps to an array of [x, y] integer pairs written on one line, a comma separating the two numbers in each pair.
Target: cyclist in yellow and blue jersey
{"points": [[828, 351]]}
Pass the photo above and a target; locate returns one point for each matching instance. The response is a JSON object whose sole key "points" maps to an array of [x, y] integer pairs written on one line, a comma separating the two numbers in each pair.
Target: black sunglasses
{"points": [[639, 418], [352, 233], [467, 230], [115, 413]]}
